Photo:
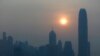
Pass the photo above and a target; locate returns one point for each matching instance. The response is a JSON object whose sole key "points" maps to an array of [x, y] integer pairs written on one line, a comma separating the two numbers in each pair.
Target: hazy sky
{"points": [[33, 19]]}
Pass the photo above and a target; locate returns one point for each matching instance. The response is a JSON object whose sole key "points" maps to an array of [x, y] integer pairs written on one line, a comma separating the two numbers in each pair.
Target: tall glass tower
{"points": [[52, 38], [84, 45]]}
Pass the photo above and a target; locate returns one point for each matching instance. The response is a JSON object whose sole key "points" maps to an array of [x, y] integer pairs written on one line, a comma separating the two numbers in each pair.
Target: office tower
{"points": [[59, 48], [84, 48], [52, 49], [68, 51], [52, 38], [10, 39], [10, 46]]}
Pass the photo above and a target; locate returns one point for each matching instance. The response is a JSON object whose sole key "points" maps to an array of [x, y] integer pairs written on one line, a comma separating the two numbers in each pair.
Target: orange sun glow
{"points": [[63, 21]]}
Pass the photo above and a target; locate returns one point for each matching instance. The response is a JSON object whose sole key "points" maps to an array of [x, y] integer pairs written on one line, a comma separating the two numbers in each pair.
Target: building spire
{"points": [[52, 37]]}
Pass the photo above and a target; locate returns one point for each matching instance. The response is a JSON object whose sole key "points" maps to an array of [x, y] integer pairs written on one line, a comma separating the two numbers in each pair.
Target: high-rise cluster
{"points": [[53, 48]]}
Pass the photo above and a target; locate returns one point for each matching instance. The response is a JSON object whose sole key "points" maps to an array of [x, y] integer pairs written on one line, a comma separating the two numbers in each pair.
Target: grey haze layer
{"points": [[27, 18]]}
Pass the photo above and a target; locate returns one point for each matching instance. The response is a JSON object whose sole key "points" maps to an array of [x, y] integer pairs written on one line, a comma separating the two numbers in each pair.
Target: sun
{"points": [[63, 21]]}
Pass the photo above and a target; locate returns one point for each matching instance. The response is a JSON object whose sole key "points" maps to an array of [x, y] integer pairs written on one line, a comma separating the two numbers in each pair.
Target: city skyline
{"points": [[32, 20], [54, 47]]}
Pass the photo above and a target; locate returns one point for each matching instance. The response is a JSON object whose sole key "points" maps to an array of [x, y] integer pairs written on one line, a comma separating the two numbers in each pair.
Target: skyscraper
{"points": [[59, 48], [84, 45], [52, 38], [68, 50], [52, 49]]}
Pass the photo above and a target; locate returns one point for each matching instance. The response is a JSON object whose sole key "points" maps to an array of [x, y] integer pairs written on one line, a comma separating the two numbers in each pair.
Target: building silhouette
{"points": [[84, 45], [43, 50], [59, 48], [24, 49], [54, 48], [52, 38], [68, 50], [6, 45]]}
